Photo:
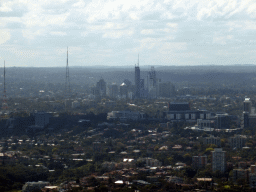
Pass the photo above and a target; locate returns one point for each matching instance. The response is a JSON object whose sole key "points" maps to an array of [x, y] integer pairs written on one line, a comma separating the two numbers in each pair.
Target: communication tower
{"points": [[4, 104], [67, 84]]}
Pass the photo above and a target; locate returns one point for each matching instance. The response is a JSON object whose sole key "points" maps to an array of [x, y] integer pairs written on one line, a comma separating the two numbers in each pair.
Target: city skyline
{"points": [[99, 33]]}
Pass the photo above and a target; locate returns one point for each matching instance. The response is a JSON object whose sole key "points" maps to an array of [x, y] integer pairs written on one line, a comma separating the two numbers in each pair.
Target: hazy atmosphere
{"points": [[112, 33], [127, 96]]}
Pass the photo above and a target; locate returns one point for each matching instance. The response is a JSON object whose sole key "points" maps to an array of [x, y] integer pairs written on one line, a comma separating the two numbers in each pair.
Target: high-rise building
{"points": [[123, 90], [248, 119], [113, 90], [137, 81], [238, 141], [152, 78], [128, 83], [199, 161], [152, 84], [240, 174], [223, 121], [140, 91], [101, 87], [247, 105], [218, 160], [130, 88], [252, 180], [42, 119], [245, 120]]}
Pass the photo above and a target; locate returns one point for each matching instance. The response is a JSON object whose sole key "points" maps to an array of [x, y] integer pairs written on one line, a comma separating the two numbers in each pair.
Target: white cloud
{"points": [[147, 32], [176, 27], [172, 25], [24, 53], [59, 33], [5, 35], [118, 34], [32, 33]]}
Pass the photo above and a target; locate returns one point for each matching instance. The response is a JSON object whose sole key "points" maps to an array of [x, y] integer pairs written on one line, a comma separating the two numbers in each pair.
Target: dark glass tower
{"points": [[137, 80]]}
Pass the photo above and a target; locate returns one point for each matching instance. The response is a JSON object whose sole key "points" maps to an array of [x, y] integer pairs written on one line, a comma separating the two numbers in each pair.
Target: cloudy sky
{"points": [[36, 33]]}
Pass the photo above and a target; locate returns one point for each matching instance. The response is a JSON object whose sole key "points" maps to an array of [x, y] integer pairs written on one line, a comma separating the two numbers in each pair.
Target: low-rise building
{"points": [[176, 180], [110, 166], [212, 140], [240, 174], [34, 186], [126, 115], [252, 180], [150, 162], [205, 123], [253, 169], [237, 141], [199, 161], [75, 104]]}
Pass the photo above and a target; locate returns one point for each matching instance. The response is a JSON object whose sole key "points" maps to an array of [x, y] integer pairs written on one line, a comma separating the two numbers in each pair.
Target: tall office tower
{"points": [[128, 83], [113, 90], [247, 105], [152, 78], [123, 90], [101, 87], [137, 80], [152, 84], [218, 160], [130, 88]]}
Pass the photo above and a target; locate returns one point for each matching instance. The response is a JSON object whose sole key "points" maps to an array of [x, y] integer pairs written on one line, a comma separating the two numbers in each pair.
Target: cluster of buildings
{"points": [[152, 87], [245, 172], [180, 111], [235, 142], [36, 121], [218, 161]]}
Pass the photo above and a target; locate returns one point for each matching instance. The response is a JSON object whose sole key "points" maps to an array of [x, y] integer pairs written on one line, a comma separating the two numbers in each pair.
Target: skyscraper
{"points": [[152, 78], [112, 90], [247, 105], [101, 87], [152, 84], [137, 80], [123, 90]]}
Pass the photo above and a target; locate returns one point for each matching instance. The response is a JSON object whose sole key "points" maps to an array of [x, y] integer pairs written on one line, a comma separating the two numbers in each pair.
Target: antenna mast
{"points": [[4, 104], [67, 84], [138, 60]]}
